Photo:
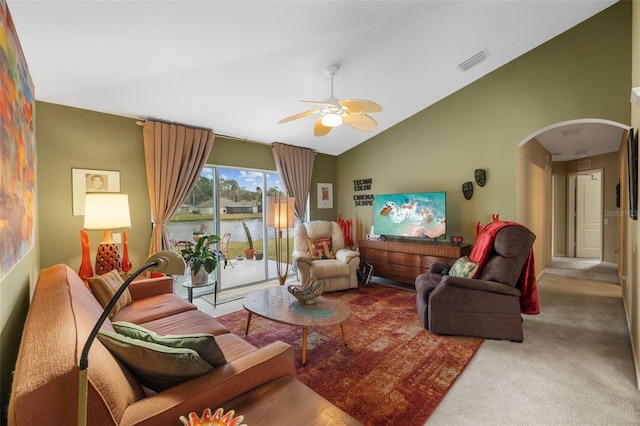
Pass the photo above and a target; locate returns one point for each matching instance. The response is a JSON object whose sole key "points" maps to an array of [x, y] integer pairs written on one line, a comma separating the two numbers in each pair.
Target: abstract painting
{"points": [[17, 148]]}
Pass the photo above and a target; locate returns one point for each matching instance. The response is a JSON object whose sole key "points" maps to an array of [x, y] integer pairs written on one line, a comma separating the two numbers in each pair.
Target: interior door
{"points": [[589, 215]]}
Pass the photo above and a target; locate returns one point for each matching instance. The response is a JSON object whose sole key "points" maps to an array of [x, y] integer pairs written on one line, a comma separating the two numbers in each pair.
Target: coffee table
{"points": [[277, 304]]}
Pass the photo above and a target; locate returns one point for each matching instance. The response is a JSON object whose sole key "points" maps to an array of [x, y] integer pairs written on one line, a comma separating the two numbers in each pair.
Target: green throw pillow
{"points": [[463, 268], [204, 344], [157, 367], [105, 286]]}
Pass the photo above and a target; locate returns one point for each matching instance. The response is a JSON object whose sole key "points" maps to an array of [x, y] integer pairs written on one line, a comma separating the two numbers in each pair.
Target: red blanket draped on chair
{"points": [[529, 303]]}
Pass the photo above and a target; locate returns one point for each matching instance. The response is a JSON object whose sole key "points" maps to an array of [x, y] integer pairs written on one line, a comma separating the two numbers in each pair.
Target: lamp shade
{"points": [[281, 212], [106, 210]]}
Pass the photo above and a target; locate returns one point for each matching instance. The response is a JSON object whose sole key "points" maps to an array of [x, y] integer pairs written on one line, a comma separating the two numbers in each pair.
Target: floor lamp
{"points": [[106, 211], [166, 261], [281, 214]]}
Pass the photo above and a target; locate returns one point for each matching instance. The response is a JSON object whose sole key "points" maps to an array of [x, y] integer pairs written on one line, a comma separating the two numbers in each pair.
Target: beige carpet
{"points": [[573, 368]]}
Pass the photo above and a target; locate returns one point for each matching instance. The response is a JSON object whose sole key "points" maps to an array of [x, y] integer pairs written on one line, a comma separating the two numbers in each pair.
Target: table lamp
{"points": [[106, 211], [166, 261], [281, 214]]}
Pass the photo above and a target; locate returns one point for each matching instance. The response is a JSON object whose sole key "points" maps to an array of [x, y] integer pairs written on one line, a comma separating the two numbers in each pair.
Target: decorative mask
{"points": [[481, 177], [467, 190]]}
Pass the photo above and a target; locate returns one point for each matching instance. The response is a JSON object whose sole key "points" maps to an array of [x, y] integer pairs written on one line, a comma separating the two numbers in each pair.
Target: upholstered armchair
{"points": [[487, 306], [319, 251]]}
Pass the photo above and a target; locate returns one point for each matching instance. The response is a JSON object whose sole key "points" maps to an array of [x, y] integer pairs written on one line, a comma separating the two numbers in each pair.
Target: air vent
{"points": [[584, 165], [474, 60]]}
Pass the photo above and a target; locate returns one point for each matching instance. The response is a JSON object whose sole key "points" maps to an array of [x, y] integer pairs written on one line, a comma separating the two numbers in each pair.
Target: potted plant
{"points": [[248, 252], [201, 259]]}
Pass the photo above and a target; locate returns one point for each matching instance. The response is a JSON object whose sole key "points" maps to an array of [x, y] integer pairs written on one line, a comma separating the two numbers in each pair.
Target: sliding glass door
{"points": [[230, 202]]}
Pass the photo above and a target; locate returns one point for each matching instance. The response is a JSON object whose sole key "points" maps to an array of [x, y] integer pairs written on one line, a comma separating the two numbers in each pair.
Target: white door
{"points": [[589, 215]]}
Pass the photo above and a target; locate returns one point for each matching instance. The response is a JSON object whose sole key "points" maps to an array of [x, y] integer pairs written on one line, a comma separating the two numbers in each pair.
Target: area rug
{"points": [[393, 371]]}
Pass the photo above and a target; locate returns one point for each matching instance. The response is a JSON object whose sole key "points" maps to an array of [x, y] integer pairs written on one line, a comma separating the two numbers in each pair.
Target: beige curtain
{"points": [[295, 166], [174, 157]]}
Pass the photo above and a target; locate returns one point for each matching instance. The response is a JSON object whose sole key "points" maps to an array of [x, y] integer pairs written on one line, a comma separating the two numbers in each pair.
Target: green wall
{"points": [[75, 138], [583, 73]]}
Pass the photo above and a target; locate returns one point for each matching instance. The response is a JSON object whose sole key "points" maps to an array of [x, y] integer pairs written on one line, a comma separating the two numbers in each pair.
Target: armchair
{"points": [[487, 306], [319, 251]]}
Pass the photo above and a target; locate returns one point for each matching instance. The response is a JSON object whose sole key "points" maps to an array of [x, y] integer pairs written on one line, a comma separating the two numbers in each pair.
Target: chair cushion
{"points": [[204, 344], [321, 248], [104, 287], [464, 268], [157, 367], [328, 268]]}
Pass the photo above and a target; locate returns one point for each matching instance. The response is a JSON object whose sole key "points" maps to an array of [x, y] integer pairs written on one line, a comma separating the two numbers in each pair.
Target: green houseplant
{"points": [[248, 252], [201, 259]]}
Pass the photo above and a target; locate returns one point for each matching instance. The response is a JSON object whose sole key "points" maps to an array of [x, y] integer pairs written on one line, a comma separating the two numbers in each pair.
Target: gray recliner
{"points": [[488, 306]]}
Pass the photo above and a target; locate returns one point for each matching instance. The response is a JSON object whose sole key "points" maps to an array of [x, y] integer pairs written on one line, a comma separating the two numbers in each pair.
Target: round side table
{"points": [[189, 286]]}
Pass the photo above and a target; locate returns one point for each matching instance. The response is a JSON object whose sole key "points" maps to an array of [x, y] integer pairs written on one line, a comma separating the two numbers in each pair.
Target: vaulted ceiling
{"points": [[238, 67]]}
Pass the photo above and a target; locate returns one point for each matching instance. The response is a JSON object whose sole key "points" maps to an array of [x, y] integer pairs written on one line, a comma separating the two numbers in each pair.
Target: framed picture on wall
{"points": [[325, 195], [88, 180]]}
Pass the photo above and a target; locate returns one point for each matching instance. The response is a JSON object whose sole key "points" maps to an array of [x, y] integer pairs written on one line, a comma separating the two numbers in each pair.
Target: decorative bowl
{"points": [[309, 292], [217, 419]]}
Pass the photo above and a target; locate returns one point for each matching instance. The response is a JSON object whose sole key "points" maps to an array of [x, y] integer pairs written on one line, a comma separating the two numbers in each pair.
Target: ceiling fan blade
{"points": [[320, 129], [360, 105], [360, 121], [300, 115], [319, 103]]}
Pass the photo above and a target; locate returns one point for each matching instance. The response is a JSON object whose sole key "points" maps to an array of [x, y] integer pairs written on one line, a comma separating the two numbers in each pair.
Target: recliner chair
{"points": [[488, 306], [319, 251]]}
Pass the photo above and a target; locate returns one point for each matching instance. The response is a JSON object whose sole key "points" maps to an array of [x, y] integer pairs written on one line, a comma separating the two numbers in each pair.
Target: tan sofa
{"points": [[61, 316]]}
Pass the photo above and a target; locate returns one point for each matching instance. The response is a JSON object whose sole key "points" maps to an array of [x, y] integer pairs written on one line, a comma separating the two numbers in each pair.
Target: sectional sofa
{"points": [[63, 312]]}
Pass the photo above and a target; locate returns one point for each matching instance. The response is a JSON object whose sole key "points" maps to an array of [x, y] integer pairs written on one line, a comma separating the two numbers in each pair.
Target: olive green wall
{"points": [[533, 202], [75, 138], [582, 73], [630, 273]]}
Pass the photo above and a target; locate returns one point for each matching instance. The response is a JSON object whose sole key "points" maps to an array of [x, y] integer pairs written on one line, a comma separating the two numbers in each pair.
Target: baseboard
{"points": [[634, 353]]}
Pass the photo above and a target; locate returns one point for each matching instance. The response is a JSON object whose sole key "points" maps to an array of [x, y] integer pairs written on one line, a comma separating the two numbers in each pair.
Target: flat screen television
{"points": [[415, 214]]}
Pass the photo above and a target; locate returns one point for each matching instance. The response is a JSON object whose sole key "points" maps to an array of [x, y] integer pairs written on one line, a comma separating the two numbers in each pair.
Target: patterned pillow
{"points": [[105, 286], [321, 248], [463, 268]]}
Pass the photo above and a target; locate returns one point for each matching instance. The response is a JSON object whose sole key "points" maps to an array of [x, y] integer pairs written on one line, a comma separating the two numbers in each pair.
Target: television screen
{"points": [[417, 214]]}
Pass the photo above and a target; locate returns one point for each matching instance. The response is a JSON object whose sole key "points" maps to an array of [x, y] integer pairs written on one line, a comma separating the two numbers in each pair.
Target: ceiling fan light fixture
{"points": [[332, 120]]}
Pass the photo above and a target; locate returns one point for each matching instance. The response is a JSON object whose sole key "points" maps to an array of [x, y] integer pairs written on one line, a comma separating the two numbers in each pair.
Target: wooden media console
{"points": [[404, 261]]}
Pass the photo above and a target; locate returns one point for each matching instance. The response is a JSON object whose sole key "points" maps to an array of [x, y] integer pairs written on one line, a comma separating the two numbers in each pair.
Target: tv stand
{"points": [[404, 261]]}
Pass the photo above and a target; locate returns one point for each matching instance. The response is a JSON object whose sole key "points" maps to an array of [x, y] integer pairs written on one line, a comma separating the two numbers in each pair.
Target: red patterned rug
{"points": [[393, 371]]}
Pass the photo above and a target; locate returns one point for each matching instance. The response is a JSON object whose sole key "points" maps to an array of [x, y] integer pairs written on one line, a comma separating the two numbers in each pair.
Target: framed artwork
{"points": [[17, 149], [325, 195], [87, 180]]}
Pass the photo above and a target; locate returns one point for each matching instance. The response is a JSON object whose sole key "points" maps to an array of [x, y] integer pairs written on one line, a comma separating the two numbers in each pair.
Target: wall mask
{"points": [[481, 177], [467, 190]]}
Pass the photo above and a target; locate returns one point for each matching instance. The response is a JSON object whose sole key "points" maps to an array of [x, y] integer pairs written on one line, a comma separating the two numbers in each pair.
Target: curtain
{"points": [[295, 166], [174, 157]]}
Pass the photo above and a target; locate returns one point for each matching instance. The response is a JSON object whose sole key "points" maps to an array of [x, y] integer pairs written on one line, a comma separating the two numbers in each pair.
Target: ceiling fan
{"points": [[333, 112]]}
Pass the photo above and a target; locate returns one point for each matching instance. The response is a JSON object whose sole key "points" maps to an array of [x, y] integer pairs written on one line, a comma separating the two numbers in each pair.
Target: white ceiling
{"points": [[238, 67]]}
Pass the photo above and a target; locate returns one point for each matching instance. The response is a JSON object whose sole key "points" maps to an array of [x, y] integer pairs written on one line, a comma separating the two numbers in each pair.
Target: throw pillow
{"points": [[105, 286], [464, 268], [157, 367], [321, 248], [204, 344]]}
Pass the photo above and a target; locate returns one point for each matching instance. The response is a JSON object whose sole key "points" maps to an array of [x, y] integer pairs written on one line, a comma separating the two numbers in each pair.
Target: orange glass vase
{"points": [[86, 270], [126, 263]]}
